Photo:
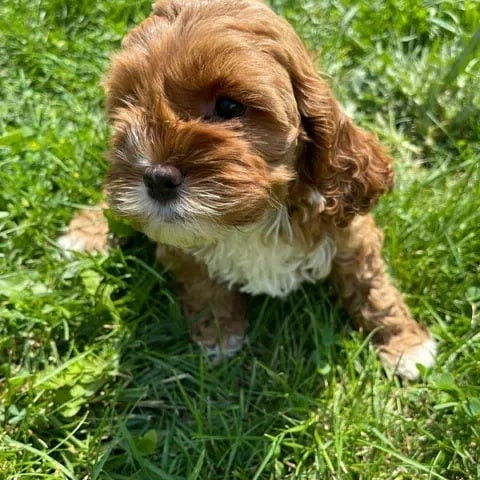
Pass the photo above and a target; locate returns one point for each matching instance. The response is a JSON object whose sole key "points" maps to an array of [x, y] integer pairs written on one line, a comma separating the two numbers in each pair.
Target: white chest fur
{"points": [[265, 264]]}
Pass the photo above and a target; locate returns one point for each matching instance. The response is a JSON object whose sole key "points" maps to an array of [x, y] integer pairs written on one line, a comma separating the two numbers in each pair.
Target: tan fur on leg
{"points": [[217, 314], [87, 232], [374, 302]]}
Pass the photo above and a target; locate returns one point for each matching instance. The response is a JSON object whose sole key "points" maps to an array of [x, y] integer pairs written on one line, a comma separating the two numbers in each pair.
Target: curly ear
{"points": [[343, 168]]}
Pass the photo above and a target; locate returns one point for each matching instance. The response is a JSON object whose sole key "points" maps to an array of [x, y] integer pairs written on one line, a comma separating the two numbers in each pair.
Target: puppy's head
{"points": [[220, 120]]}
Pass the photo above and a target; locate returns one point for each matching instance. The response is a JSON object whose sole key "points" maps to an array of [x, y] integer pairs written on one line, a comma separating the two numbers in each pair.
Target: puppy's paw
{"points": [[87, 232], [228, 347], [403, 361], [216, 344]]}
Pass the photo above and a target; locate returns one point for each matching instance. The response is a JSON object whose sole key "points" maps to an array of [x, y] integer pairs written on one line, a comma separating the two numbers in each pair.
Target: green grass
{"points": [[98, 379]]}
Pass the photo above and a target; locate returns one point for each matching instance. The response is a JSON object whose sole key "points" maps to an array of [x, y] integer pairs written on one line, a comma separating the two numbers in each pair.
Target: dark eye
{"points": [[226, 108]]}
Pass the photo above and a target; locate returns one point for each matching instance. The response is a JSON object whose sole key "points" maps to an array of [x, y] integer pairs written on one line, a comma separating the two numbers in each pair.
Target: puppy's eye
{"points": [[226, 108]]}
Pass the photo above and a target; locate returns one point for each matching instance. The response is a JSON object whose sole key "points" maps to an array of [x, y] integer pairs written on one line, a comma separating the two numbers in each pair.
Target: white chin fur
{"points": [[135, 202], [178, 223], [406, 366], [182, 235]]}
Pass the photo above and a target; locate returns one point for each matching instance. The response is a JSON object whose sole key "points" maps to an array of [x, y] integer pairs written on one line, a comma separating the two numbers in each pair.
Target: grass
{"points": [[98, 379]]}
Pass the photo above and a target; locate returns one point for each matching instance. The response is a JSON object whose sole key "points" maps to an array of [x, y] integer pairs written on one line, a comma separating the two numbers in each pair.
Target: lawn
{"points": [[98, 379]]}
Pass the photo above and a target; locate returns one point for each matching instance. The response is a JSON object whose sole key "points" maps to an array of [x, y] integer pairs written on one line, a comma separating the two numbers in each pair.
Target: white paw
{"points": [[228, 348], [72, 243], [405, 365]]}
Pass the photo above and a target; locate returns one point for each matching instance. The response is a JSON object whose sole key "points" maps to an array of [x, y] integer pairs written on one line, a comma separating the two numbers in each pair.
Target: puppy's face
{"points": [[205, 124], [210, 121]]}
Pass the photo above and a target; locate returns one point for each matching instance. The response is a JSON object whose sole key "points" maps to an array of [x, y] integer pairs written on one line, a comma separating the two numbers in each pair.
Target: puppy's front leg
{"points": [[216, 313], [375, 304], [87, 232]]}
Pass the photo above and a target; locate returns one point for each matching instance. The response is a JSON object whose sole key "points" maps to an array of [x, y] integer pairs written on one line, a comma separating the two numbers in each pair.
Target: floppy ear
{"points": [[342, 169]]}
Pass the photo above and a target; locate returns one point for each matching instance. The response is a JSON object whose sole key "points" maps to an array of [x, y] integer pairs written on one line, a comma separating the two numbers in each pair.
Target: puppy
{"points": [[231, 153]]}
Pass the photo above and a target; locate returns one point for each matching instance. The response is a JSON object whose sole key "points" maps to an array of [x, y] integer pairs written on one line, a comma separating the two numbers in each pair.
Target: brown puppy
{"points": [[231, 152]]}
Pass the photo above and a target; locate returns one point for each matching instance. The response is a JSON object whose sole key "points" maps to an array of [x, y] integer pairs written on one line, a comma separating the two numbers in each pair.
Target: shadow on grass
{"points": [[174, 413]]}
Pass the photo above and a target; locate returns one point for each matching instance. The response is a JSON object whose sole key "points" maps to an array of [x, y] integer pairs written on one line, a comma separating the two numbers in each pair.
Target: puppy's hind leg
{"points": [[87, 232], [375, 304], [217, 314]]}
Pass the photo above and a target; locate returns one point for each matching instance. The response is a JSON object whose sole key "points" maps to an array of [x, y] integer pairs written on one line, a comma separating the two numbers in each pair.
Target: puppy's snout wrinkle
{"points": [[162, 181]]}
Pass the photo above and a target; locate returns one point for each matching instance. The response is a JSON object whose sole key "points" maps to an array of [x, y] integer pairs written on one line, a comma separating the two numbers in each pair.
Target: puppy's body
{"points": [[231, 152]]}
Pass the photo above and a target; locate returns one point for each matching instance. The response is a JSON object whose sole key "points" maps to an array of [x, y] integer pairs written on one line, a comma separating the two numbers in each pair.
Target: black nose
{"points": [[162, 181]]}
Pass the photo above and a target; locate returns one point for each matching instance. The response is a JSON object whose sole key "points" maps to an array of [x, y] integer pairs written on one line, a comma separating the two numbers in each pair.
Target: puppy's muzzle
{"points": [[162, 182]]}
